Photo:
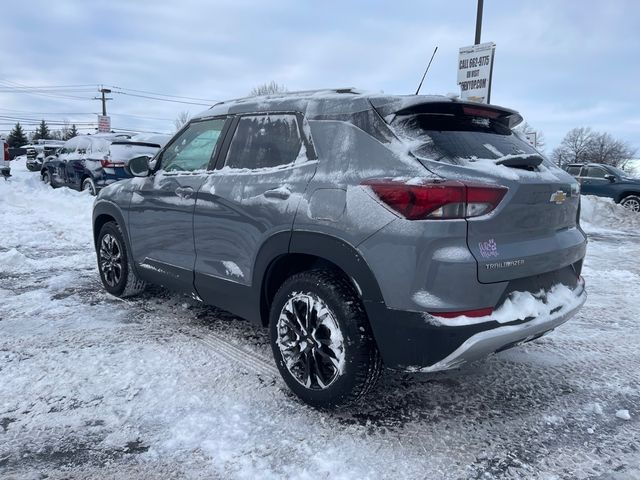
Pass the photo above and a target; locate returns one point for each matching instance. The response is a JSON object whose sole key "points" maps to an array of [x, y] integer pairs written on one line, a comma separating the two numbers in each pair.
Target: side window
{"points": [[595, 172], [263, 141], [193, 149], [70, 145], [575, 171]]}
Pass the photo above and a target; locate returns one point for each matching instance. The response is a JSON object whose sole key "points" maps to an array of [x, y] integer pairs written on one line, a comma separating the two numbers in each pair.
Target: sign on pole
{"points": [[475, 65], [104, 123]]}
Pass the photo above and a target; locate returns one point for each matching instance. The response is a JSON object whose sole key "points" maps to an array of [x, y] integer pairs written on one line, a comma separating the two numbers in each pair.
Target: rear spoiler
{"points": [[140, 144], [390, 107]]}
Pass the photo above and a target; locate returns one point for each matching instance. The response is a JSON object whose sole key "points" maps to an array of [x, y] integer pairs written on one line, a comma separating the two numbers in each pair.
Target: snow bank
{"points": [[603, 213]]}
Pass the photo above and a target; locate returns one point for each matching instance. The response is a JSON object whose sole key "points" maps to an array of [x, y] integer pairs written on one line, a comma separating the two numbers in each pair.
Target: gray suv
{"points": [[414, 232]]}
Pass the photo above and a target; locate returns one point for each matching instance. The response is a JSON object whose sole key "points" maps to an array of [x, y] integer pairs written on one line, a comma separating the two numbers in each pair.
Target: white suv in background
{"points": [[5, 167]]}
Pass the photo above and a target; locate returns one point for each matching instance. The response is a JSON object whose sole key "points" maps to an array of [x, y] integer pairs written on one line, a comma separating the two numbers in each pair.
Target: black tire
{"points": [[46, 178], [361, 364], [631, 202], [114, 263], [88, 184]]}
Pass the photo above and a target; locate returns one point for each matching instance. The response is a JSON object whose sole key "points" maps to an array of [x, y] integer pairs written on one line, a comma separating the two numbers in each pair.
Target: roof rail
{"points": [[287, 94]]}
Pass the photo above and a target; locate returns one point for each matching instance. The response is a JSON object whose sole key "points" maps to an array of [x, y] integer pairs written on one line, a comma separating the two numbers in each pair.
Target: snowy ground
{"points": [[162, 387]]}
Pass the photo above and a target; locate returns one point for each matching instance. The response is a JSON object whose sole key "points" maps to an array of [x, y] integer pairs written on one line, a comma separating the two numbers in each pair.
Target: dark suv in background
{"points": [[607, 181], [91, 162], [417, 231]]}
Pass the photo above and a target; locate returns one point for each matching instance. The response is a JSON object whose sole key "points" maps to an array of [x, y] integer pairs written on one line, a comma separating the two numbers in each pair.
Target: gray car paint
{"points": [[420, 266]]}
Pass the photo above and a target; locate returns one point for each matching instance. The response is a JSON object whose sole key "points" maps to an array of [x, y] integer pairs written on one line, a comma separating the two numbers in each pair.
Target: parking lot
{"points": [[160, 386]]}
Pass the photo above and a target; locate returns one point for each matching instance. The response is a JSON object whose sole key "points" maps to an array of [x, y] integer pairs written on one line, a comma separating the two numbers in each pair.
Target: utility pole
{"points": [[104, 99], [479, 21]]}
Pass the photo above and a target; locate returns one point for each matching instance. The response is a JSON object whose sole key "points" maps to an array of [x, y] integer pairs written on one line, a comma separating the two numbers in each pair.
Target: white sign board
{"points": [[475, 64], [104, 123]]}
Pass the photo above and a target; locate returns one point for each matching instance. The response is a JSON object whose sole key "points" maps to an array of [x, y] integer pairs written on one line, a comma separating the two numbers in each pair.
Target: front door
{"points": [[161, 209]]}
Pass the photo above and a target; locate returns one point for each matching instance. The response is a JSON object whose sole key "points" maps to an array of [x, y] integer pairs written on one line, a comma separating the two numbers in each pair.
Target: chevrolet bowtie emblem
{"points": [[558, 197]]}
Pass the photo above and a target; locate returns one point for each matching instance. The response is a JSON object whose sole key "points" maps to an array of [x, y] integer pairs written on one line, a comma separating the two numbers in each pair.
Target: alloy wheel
{"points": [[110, 260], [310, 341], [632, 204]]}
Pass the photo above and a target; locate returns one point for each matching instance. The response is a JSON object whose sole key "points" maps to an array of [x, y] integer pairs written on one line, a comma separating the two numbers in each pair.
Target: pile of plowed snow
{"points": [[604, 213]]}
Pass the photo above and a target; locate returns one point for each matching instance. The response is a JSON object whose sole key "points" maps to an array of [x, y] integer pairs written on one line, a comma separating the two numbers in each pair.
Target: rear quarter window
{"points": [[264, 141]]}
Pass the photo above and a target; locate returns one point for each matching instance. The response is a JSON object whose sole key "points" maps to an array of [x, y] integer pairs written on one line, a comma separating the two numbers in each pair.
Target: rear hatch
{"points": [[534, 230]]}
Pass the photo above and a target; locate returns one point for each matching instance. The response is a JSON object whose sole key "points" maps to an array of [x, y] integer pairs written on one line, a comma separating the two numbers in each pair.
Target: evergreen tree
{"points": [[42, 132], [72, 132], [17, 137]]}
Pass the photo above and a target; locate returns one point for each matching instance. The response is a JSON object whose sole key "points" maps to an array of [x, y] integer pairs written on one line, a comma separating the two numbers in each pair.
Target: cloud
{"points": [[562, 64]]}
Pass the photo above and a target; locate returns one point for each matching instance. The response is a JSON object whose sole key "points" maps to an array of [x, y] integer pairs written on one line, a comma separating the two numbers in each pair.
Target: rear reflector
{"points": [[481, 312], [437, 199]]}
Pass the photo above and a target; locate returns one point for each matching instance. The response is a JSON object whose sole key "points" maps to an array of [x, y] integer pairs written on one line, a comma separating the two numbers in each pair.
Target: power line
{"points": [[162, 99], [209, 101]]}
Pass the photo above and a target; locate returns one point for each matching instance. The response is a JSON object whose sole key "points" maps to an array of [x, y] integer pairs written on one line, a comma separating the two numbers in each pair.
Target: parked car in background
{"points": [[35, 164], [91, 162], [416, 231], [607, 181], [5, 166]]}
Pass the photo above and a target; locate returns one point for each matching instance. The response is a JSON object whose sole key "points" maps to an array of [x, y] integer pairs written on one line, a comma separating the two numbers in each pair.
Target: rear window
{"points": [[125, 151], [449, 138]]}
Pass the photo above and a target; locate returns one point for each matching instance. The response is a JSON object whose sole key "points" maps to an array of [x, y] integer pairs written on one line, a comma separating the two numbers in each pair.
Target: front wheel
{"points": [[114, 265], [89, 185], [322, 341], [46, 178], [632, 202]]}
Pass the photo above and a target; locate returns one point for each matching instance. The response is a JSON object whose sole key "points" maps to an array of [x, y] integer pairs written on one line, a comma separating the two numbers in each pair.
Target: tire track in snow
{"points": [[228, 350]]}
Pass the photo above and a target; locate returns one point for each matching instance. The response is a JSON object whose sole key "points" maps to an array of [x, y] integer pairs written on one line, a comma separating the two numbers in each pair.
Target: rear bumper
{"points": [[409, 341]]}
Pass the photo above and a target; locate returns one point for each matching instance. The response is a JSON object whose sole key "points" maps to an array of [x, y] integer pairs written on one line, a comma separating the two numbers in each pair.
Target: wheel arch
{"points": [[627, 193], [308, 250], [105, 211]]}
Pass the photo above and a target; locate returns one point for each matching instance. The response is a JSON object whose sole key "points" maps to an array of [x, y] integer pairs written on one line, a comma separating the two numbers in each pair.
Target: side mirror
{"points": [[139, 166], [611, 178]]}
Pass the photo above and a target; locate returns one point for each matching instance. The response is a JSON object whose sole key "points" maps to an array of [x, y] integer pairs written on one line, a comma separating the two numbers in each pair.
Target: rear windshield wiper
{"points": [[526, 160]]}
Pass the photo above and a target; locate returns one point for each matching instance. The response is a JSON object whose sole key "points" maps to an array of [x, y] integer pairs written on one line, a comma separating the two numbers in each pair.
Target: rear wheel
{"points": [[322, 341], [114, 264], [89, 185], [632, 202]]}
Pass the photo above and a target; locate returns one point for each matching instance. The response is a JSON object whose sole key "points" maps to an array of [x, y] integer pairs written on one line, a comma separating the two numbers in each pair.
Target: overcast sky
{"points": [[562, 64]]}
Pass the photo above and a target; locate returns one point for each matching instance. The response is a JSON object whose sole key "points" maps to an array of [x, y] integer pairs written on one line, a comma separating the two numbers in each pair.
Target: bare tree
{"points": [[574, 147], [583, 145], [527, 129], [267, 89], [608, 150], [182, 118]]}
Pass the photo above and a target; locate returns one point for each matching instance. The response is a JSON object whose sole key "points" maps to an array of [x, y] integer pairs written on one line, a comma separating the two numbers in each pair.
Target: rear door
{"points": [[74, 168], [250, 198], [162, 205]]}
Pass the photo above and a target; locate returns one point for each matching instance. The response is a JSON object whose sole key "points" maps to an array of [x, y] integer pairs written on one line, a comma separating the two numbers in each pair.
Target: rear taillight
{"points": [[107, 162], [437, 199], [6, 151]]}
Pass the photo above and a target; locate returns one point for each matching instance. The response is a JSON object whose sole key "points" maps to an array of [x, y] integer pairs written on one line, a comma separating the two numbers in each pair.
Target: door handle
{"points": [[281, 193], [185, 192]]}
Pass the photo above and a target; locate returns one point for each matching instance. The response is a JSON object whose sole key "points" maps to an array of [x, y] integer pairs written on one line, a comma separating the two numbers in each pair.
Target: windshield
{"points": [[619, 172], [450, 137]]}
